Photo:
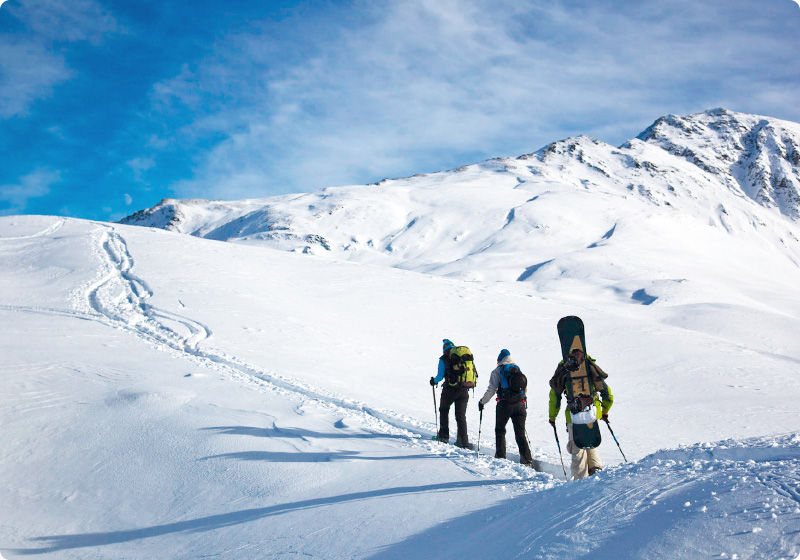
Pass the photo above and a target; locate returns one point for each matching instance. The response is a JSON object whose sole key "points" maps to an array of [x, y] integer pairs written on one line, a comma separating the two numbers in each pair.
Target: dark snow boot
{"points": [[595, 470]]}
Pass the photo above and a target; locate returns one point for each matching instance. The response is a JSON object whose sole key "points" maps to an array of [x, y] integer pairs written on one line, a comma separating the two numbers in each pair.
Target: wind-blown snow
{"points": [[170, 396]]}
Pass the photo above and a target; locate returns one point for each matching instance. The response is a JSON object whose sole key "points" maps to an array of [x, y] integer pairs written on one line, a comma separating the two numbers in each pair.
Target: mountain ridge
{"points": [[716, 182], [686, 138]]}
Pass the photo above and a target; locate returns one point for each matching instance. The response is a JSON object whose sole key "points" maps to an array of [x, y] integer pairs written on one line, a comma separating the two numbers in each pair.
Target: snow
{"points": [[171, 396]]}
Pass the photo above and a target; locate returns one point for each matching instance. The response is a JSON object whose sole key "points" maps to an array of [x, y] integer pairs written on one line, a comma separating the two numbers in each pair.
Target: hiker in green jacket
{"points": [[585, 462]]}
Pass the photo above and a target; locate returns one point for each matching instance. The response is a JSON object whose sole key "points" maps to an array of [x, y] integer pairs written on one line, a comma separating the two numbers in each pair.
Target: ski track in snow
{"points": [[45, 232], [119, 299], [49, 311]]}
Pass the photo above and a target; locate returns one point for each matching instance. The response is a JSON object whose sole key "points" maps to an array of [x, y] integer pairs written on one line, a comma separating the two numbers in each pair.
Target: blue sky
{"points": [[107, 106]]}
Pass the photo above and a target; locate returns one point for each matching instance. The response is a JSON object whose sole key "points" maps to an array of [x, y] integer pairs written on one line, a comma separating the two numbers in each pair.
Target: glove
{"points": [[480, 406], [432, 382], [605, 416], [552, 422]]}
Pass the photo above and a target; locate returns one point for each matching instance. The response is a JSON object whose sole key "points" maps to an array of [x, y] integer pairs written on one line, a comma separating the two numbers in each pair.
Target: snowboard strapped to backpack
{"points": [[580, 385], [513, 384], [461, 370], [580, 389]]}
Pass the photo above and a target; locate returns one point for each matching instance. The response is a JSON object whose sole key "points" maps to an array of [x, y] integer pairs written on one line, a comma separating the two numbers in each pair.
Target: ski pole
{"points": [[435, 411], [559, 452], [480, 426], [615, 438]]}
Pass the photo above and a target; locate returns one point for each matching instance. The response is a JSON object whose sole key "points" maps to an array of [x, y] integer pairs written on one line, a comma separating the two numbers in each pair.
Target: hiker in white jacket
{"points": [[510, 384]]}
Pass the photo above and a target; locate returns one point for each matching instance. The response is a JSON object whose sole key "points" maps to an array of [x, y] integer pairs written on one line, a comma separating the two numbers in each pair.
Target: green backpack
{"points": [[461, 369]]}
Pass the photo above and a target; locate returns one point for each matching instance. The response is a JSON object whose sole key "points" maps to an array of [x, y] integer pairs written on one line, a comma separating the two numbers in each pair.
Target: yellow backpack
{"points": [[461, 369]]}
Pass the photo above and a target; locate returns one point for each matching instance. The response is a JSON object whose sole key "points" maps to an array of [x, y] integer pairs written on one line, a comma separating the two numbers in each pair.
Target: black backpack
{"points": [[513, 384]]}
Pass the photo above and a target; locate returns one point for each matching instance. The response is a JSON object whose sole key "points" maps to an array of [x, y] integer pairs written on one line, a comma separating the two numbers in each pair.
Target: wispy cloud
{"points": [[14, 198], [28, 72], [65, 20], [237, 100], [139, 166], [30, 65], [417, 85]]}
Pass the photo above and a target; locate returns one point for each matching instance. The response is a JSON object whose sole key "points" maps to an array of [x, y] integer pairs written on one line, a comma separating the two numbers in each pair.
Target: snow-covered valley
{"points": [[172, 396]]}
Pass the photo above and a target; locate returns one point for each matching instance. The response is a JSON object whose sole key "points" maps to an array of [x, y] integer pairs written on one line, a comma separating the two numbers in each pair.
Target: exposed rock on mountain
{"points": [[715, 186]]}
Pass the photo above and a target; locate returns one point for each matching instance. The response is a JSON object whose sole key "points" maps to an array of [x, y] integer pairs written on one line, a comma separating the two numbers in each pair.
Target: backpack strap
{"points": [[558, 383]]}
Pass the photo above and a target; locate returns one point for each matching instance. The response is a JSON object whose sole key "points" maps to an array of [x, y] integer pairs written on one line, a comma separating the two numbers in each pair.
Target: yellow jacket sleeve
{"points": [[555, 404], [607, 398]]}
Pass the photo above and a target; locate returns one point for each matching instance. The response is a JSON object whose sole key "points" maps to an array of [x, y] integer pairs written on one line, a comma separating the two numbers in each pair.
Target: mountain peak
{"points": [[758, 156], [165, 214], [719, 175]]}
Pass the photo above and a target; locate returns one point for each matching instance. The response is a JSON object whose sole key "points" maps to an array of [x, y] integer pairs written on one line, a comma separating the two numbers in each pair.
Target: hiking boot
{"points": [[595, 470]]}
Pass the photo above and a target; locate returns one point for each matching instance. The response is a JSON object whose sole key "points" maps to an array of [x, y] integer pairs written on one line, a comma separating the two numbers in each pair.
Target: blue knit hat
{"points": [[447, 345], [503, 354]]}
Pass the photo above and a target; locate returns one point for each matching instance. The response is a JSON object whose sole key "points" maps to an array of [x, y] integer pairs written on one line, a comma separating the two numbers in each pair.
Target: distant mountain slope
{"points": [[755, 155], [716, 187]]}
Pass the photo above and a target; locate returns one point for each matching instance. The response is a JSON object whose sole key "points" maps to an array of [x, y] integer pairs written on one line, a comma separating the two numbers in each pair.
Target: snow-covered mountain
{"points": [[520, 218], [697, 210], [756, 156], [169, 396]]}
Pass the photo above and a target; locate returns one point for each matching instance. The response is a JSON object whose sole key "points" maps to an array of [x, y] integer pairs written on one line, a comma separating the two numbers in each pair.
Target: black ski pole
{"points": [[435, 410], [615, 438], [480, 427], [559, 452]]}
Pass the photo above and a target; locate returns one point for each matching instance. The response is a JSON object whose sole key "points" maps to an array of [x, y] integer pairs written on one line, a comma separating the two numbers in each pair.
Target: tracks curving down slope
{"points": [[119, 298]]}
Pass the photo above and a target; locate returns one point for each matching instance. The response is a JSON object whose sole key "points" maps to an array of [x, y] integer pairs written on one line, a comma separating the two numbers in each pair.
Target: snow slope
{"points": [[698, 211], [167, 396], [128, 434], [724, 500], [686, 184]]}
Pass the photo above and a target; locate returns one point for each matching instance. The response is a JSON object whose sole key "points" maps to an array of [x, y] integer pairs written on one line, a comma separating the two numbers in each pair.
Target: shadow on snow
{"points": [[303, 457], [301, 433], [65, 542]]}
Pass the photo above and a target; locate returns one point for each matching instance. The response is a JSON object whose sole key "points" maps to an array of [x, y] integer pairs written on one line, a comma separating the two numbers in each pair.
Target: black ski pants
{"points": [[516, 412], [458, 396]]}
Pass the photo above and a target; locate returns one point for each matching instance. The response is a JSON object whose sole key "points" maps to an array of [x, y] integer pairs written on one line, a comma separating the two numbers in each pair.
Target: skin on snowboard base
{"points": [[586, 436]]}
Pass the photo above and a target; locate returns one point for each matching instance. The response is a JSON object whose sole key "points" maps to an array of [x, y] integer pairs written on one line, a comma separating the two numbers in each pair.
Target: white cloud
{"points": [[29, 73], [139, 165], [15, 197], [65, 20], [30, 66], [416, 85]]}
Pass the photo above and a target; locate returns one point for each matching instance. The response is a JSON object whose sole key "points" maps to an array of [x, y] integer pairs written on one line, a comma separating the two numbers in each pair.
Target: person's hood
{"points": [[506, 360]]}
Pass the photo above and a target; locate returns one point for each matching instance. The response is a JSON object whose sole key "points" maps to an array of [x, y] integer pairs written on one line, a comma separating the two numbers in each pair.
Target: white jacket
{"points": [[494, 379]]}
